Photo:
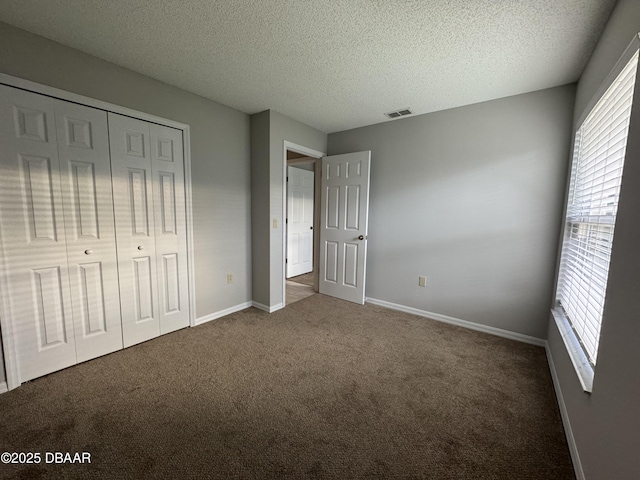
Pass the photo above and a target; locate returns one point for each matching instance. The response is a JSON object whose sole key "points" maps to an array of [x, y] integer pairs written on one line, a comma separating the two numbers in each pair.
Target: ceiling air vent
{"points": [[398, 113]]}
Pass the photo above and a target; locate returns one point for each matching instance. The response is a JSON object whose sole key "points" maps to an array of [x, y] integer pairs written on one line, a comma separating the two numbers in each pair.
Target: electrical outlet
{"points": [[229, 277], [275, 223], [422, 281]]}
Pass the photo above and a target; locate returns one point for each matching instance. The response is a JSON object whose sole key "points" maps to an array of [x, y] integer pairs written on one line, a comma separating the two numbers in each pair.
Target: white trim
{"points": [[613, 74], [87, 101], [294, 162], [461, 323], [577, 122], [309, 152], [564, 414], [188, 190], [3, 387], [265, 308], [260, 306], [580, 362], [222, 313], [10, 356]]}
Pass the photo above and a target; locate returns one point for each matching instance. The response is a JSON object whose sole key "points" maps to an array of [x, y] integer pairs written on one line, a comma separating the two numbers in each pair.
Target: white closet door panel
{"points": [[85, 166], [134, 215], [33, 235], [167, 160]]}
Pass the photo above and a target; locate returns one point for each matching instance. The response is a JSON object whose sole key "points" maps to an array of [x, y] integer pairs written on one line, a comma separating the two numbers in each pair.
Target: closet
{"points": [[148, 185], [93, 230]]}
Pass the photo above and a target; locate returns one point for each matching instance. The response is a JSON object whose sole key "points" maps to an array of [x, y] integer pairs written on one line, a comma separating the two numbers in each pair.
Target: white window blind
{"points": [[596, 175]]}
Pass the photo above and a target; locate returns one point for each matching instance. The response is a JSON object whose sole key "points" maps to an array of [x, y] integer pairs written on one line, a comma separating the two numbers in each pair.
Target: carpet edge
{"points": [[540, 342]]}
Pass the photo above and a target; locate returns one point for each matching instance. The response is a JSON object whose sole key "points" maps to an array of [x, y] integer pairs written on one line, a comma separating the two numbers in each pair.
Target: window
{"points": [[594, 190]]}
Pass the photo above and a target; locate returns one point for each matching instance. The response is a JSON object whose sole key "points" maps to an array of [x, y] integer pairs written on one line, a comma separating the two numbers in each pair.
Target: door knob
{"points": [[361, 237], [140, 247], [88, 251], [310, 228]]}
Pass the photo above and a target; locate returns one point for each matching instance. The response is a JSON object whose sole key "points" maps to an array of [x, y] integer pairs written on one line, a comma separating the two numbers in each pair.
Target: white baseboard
{"points": [[571, 441], [3, 387], [573, 448], [279, 306], [461, 323], [222, 313], [261, 306]]}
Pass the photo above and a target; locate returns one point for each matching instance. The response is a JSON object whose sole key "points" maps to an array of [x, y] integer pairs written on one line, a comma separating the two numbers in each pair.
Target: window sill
{"points": [[584, 370]]}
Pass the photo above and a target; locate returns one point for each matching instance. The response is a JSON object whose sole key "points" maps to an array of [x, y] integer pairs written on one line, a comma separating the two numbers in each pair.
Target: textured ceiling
{"points": [[332, 64]]}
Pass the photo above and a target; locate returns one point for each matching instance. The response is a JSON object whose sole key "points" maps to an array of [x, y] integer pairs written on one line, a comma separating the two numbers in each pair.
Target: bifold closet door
{"points": [[85, 169], [35, 252], [148, 182], [167, 165], [135, 231], [55, 193]]}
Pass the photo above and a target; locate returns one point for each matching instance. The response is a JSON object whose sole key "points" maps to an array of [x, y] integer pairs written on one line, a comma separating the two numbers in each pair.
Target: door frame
{"points": [[309, 152], [8, 344]]}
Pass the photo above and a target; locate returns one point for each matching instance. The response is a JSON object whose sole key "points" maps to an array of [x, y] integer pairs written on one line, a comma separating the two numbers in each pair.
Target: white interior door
{"points": [[299, 221], [32, 220], [344, 221], [170, 227], [85, 168], [135, 227]]}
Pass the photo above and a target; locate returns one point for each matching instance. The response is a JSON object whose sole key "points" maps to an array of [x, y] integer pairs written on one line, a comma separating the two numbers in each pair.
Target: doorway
{"points": [[301, 220], [342, 182]]}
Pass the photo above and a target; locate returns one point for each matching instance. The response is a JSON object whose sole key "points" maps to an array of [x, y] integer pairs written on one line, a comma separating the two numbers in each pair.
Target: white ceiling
{"points": [[332, 64]]}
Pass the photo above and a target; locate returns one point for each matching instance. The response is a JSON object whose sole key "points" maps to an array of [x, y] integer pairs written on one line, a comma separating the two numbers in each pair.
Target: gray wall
{"points": [[220, 156], [606, 423], [260, 213], [472, 198], [268, 270]]}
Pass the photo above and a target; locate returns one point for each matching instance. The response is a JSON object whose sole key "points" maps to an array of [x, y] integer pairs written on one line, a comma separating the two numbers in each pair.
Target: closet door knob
{"points": [[140, 247], [88, 251]]}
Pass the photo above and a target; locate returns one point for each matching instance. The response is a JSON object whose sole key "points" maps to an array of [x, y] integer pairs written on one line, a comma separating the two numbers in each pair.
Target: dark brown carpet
{"points": [[322, 389]]}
